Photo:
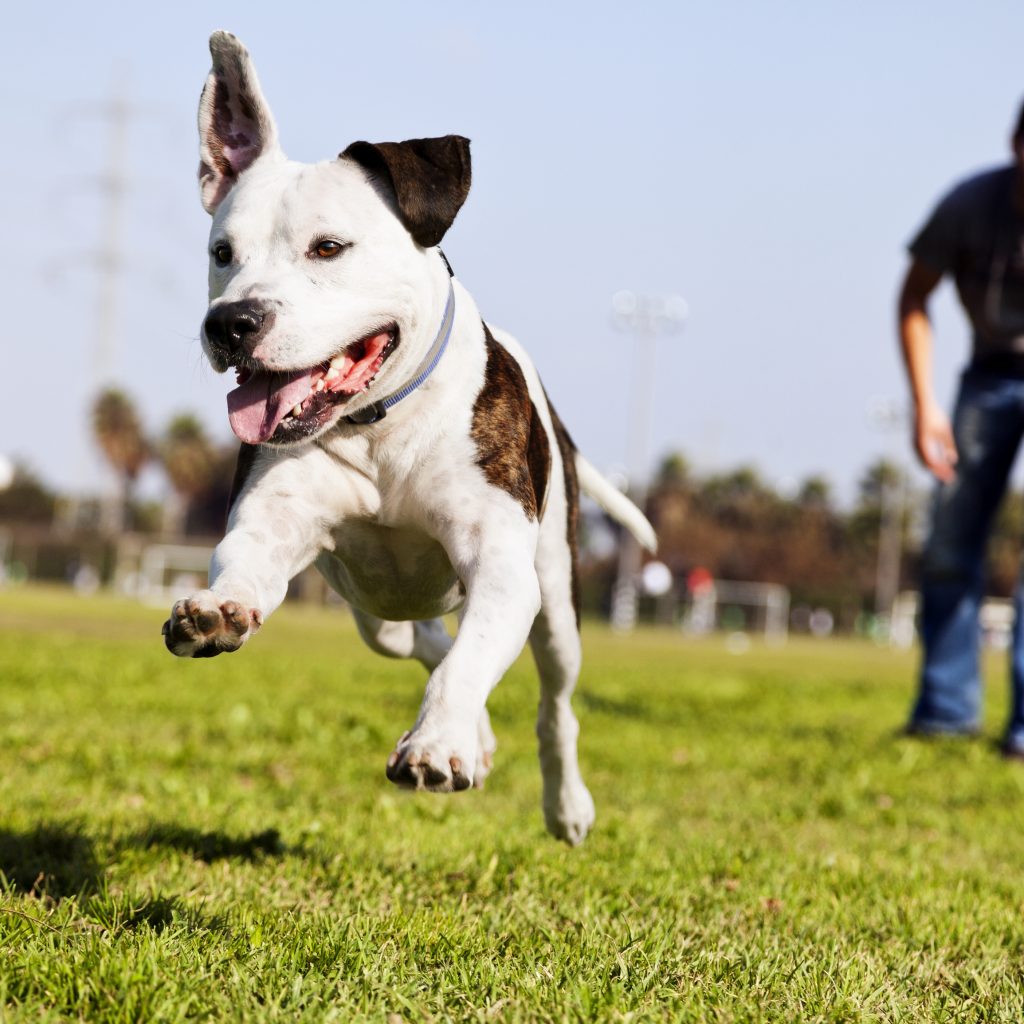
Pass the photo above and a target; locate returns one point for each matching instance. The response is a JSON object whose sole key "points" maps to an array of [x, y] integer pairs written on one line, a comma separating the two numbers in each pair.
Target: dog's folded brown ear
{"points": [[235, 123], [429, 177]]}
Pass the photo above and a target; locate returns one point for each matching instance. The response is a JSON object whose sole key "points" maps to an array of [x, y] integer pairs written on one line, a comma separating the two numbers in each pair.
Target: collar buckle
{"points": [[372, 413]]}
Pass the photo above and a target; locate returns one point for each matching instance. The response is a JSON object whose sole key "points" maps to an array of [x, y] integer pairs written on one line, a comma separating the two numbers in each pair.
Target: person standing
{"points": [[976, 236]]}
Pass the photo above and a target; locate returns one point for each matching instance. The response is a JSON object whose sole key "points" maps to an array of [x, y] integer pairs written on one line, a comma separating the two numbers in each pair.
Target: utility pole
{"points": [[114, 185], [644, 317]]}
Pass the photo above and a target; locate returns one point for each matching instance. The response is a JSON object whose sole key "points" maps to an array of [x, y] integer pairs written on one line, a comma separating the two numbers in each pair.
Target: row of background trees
{"points": [[734, 523], [739, 527]]}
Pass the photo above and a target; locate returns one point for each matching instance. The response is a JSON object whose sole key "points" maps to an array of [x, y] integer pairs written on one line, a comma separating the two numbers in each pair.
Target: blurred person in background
{"points": [[976, 236]]}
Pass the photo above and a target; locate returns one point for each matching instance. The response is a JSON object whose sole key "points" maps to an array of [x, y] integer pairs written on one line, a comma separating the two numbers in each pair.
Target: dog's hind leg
{"points": [[568, 807], [555, 642], [427, 641]]}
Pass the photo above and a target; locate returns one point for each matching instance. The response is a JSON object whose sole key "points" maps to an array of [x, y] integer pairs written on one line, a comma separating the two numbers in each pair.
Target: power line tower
{"points": [[113, 183], [117, 113]]}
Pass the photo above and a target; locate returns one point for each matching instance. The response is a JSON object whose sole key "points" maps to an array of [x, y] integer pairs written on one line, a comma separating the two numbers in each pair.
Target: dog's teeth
{"points": [[297, 410], [332, 373], [319, 386], [339, 361]]}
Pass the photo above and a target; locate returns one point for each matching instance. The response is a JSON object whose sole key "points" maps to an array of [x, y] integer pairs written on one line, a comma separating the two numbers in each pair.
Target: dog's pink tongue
{"points": [[256, 407]]}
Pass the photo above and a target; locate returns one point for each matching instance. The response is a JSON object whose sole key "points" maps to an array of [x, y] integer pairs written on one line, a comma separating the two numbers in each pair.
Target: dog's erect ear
{"points": [[430, 179], [235, 124]]}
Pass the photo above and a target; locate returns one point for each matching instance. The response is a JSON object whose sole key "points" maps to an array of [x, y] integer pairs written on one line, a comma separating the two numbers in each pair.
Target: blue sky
{"points": [[768, 162]]}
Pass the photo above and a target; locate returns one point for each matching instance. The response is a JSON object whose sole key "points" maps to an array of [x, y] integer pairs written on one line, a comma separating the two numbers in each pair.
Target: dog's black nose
{"points": [[235, 326]]}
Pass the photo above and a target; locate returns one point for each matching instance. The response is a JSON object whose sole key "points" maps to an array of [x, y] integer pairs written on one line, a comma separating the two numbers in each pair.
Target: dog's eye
{"points": [[327, 249], [222, 254]]}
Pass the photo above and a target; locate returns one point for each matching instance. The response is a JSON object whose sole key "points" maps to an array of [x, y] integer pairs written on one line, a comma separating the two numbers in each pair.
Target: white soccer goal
{"points": [[740, 606]]}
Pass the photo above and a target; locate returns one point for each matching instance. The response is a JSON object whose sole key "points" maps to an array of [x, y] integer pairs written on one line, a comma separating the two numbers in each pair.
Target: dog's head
{"points": [[324, 281]]}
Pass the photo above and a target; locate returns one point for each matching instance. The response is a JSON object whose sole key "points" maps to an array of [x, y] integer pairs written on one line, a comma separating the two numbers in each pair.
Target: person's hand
{"points": [[933, 440]]}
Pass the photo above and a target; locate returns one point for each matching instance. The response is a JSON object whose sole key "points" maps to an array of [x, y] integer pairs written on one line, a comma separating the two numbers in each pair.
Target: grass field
{"points": [[216, 840]]}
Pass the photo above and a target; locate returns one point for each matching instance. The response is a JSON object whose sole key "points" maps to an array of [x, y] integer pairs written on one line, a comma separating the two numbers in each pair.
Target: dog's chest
{"points": [[393, 572]]}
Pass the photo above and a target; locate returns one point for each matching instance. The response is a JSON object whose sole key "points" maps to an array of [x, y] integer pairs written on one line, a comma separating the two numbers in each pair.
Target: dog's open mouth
{"points": [[288, 405]]}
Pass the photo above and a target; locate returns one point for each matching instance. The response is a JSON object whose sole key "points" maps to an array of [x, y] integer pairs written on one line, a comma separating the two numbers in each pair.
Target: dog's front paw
{"points": [[422, 760], [205, 625]]}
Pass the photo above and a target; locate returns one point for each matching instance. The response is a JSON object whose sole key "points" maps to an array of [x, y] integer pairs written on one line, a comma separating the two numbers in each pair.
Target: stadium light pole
{"points": [[888, 415], [645, 317]]}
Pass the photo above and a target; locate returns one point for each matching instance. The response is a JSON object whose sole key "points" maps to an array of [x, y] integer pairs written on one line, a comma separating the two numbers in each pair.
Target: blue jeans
{"points": [[988, 424]]}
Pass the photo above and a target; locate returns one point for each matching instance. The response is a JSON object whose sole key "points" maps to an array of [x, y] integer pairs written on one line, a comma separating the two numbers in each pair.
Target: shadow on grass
{"points": [[134, 912], [57, 861], [51, 860], [629, 708], [209, 846], [156, 912]]}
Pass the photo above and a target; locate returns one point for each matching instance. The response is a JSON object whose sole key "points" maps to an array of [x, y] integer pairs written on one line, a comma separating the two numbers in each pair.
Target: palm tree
{"points": [[815, 492], [118, 431], [189, 460]]}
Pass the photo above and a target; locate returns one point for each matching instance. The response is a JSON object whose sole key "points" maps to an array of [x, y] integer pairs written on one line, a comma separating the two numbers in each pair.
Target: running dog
{"points": [[389, 436]]}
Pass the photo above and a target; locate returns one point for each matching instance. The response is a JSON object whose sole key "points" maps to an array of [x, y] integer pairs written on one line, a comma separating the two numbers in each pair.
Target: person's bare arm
{"points": [[933, 435]]}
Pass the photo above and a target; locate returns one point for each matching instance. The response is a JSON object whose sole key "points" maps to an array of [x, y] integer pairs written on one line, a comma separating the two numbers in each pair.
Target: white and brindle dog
{"points": [[390, 437]]}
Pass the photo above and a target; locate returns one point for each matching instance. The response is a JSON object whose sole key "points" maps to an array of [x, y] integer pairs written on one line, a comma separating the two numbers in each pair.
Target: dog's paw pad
{"points": [[416, 766], [203, 626], [460, 779]]}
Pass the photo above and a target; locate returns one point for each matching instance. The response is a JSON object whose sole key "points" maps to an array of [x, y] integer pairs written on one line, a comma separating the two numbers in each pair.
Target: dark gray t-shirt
{"points": [[976, 235]]}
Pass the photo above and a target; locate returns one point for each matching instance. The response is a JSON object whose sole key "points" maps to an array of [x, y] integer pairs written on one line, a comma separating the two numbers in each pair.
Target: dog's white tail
{"points": [[615, 503]]}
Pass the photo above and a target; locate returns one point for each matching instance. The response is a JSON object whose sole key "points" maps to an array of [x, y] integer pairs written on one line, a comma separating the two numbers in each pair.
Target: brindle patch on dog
{"points": [[512, 445]]}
